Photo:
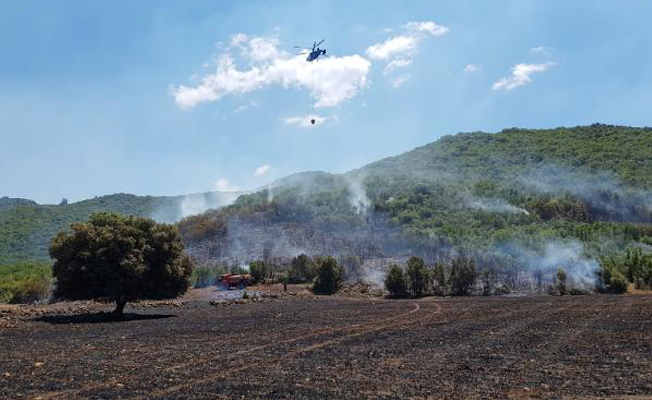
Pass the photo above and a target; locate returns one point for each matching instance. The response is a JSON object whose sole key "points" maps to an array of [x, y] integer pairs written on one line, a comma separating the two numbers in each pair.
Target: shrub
{"points": [[25, 282], [417, 276], [610, 280], [118, 258], [462, 277], [259, 270], [201, 277], [329, 276], [302, 270], [30, 291], [395, 281]]}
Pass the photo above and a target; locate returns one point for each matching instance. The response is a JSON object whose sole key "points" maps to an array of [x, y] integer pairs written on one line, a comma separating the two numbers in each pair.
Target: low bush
{"points": [[610, 280], [205, 276], [25, 282], [259, 270]]}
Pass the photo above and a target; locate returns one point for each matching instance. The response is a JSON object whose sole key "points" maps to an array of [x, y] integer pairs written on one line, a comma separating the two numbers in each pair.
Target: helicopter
{"points": [[315, 52]]}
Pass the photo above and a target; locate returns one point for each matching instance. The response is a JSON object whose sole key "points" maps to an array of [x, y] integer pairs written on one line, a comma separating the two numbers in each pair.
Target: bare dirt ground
{"points": [[583, 347]]}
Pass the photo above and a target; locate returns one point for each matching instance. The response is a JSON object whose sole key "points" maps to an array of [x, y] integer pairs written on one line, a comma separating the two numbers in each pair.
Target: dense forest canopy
{"points": [[517, 190]]}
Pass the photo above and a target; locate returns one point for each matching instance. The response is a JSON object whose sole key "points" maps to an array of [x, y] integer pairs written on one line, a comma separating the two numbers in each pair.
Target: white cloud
{"points": [[541, 50], [396, 64], [222, 185], [259, 49], [238, 39], [305, 121], [398, 81], [428, 27], [392, 47], [262, 170], [471, 68], [247, 106], [405, 44], [520, 75], [336, 79], [400, 49]]}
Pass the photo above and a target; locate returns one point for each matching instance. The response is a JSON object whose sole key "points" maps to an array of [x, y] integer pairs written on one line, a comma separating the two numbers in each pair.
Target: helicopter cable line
{"points": [[312, 56]]}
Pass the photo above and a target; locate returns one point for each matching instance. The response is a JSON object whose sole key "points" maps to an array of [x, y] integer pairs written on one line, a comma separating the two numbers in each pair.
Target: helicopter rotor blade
{"points": [[322, 41]]}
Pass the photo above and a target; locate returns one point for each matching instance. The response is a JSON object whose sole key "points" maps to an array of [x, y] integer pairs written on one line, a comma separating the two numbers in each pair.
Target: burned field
{"points": [[582, 347]]}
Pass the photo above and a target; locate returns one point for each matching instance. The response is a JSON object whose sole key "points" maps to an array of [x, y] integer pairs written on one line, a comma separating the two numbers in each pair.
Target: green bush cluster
{"points": [[206, 275], [634, 267], [419, 280], [259, 270], [25, 282], [302, 270]]}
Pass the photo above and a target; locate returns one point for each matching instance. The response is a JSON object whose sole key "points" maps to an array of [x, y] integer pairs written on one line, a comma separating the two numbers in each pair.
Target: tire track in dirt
{"points": [[389, 323], [65, 394]]}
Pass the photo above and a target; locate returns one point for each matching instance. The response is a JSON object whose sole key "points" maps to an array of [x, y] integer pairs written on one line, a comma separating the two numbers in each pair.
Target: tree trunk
{"points": [[120, 306]]}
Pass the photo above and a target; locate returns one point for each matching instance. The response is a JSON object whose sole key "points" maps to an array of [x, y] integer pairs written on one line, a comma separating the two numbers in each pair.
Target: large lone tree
{"points": [[119, 258]]}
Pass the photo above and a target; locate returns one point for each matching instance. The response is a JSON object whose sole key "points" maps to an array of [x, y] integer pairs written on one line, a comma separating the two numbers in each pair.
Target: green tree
{"points": [[203, 277], [395, 281], [439, 279], [302, 269], [118, 258], [417, 276], [258, 270], [463, 276], [329, 276], [610, 280]]}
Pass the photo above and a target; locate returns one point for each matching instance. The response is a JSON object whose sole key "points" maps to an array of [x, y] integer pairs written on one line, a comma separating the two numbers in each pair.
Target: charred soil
{"points": [[582, 347]]}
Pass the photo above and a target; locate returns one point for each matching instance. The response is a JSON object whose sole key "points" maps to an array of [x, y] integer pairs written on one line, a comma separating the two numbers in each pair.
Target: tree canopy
{"points": [[119, 258]]}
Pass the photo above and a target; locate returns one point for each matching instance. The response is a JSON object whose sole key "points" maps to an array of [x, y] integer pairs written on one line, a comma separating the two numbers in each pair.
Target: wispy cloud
{"points": [[306, 121], [392, 47], [400, 80], [399, 50], [222, 185], [541, 51], [247, 106], [396, 64], [471, 68], [262, 170], [335, 79], [520, 76]]}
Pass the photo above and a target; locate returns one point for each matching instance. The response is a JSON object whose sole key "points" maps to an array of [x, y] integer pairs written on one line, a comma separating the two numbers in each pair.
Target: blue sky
{"points": [[91, 92]]}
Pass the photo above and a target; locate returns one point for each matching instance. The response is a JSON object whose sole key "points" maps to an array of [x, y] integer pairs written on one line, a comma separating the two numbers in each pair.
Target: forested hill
{"points": [[466, 191], [589, 150], [27, 227]]}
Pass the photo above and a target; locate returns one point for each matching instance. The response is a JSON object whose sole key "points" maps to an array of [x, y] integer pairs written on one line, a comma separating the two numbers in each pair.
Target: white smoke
{"points": [[601, 190], [568, 255], [175, 209], [358, 194], [495, 205]]}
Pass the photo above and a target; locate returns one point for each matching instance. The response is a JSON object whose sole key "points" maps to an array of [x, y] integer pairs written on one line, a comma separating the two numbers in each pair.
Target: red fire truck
{"points": [[235, 280]]}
